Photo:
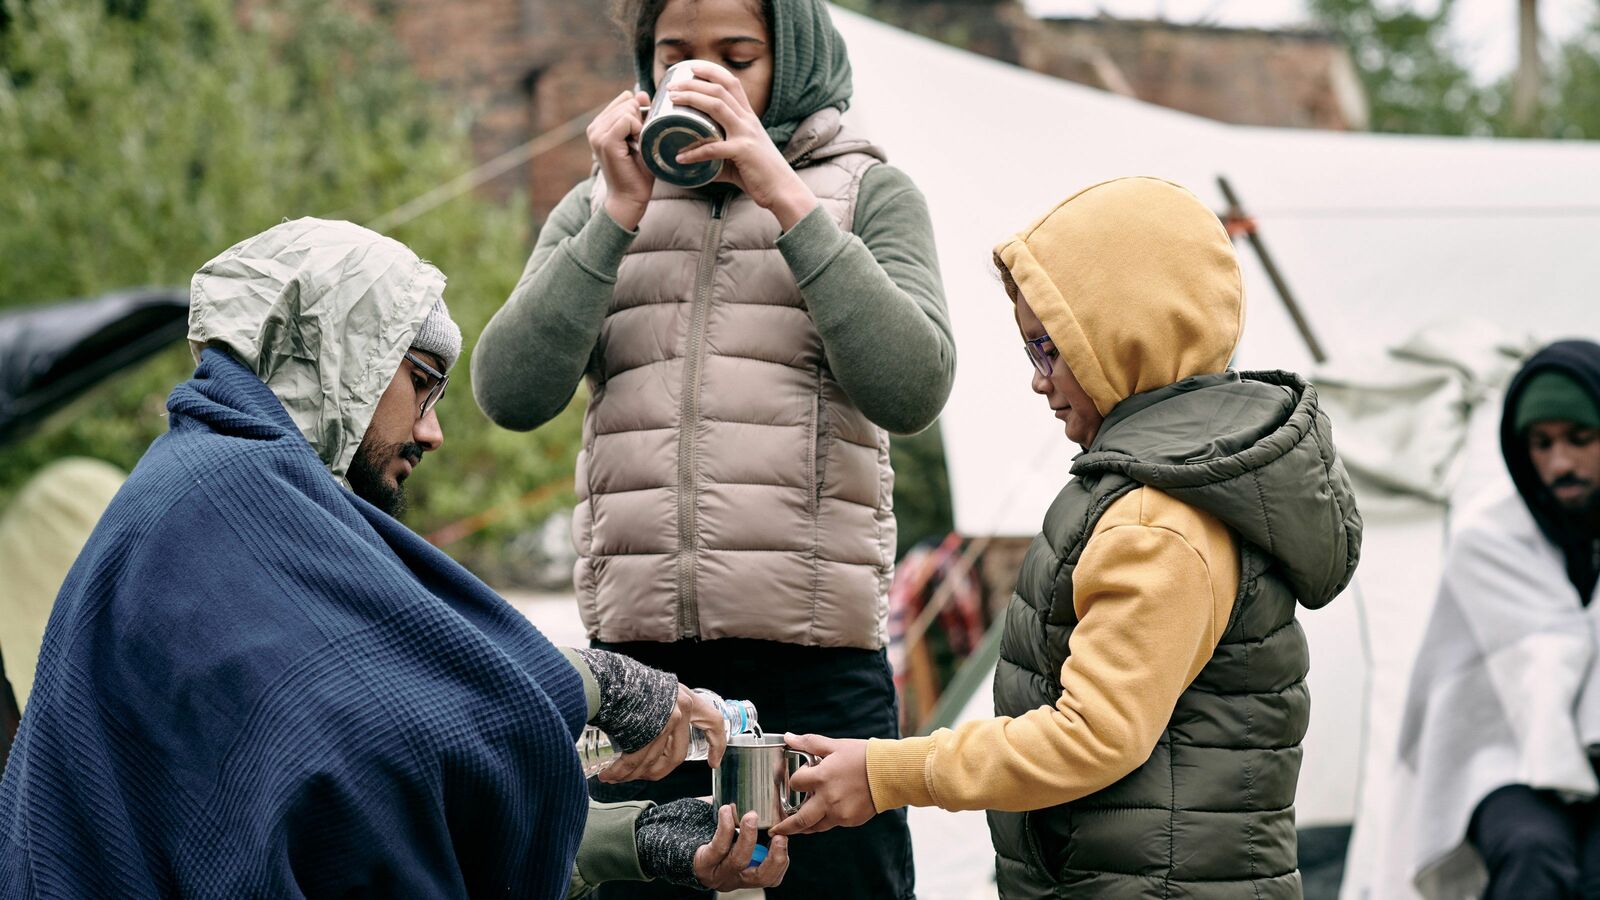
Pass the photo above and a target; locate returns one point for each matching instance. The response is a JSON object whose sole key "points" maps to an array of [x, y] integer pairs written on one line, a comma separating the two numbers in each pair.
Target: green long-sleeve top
{"points": [[875, 296]]}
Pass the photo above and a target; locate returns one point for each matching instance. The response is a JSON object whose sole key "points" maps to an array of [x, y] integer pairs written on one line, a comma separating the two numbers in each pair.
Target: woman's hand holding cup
{"points": [[613, 136], [751, 161]]}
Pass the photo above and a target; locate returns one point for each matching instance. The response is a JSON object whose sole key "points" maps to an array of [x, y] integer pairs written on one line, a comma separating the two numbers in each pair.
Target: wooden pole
{"points": [[1525, 83], [1236, 220]]}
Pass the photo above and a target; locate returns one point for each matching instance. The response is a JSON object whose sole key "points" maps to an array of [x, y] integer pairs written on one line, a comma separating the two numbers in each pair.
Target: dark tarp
{"points": [[50, 354]]}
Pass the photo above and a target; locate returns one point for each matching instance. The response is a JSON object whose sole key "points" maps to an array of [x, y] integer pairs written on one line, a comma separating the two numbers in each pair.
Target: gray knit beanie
{"points": [[439, 335]]}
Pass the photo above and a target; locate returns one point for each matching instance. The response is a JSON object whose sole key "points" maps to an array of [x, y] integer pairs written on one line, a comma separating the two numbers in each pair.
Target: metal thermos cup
{"points": [[670, 129], [754, 775]]}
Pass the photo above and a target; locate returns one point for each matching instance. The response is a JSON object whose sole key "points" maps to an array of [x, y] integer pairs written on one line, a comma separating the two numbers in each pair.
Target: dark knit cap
{"points": [[1553, 395]]}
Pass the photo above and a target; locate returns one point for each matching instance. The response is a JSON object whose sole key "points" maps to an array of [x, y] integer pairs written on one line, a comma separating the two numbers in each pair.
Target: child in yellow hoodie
{"points": [[1151, 691]]}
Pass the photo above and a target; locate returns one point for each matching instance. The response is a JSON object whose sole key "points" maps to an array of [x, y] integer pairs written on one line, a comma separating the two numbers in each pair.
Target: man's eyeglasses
{"points": [[1036, 354], [440, 379]]}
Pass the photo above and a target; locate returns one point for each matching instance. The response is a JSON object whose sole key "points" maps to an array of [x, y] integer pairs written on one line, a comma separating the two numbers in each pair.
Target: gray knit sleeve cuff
{"points": [[668, 836], [635, 700]]}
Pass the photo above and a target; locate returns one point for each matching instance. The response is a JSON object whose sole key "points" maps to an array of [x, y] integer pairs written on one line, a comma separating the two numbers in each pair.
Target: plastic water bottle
{"points": [[738, 717], [595, 750]]}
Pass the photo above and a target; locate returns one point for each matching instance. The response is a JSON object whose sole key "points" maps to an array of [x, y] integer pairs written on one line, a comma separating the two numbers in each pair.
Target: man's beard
{"points": [[1583, 506], [367, 477]]}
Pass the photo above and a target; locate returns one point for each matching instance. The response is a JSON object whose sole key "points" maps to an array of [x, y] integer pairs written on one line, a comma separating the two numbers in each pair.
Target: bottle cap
{"points": [[757, 856]]}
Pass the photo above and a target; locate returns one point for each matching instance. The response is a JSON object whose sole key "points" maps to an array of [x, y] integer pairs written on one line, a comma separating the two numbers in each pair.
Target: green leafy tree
{"points": [[1417, 83], [922, 504], [1414, 79], [139, 138], [1573, 109]]}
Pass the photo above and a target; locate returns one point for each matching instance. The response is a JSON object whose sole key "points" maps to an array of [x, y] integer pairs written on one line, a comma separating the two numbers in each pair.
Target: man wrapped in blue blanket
{"points": [[257, 682]]}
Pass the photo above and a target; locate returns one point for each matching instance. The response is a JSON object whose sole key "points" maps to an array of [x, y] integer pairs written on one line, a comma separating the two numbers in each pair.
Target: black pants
{"points": [[1535, 845], [838, 692]]}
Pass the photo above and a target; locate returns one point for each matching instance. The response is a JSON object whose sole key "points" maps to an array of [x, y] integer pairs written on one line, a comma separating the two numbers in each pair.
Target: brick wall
{"points": [[519, 68], [580, 62], [997, 29], [1243, 76]]}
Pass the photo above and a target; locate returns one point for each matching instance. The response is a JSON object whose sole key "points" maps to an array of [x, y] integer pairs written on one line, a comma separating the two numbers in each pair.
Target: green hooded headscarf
{"points": [[810, 69]]}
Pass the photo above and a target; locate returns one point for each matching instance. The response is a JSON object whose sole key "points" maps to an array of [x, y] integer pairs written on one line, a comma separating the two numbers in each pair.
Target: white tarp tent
{"points": [[1379, 236]]}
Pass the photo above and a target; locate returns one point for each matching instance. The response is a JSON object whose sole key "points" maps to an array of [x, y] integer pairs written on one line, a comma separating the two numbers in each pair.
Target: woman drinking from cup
{"points": [[748, 344]]}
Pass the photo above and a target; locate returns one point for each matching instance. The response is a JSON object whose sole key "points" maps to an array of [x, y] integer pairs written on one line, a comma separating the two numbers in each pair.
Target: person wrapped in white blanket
{"points": [[1502, 720]]}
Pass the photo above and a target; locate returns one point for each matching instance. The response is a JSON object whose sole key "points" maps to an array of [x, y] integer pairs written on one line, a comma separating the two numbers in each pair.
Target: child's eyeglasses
{"points": [[1036, 354]]}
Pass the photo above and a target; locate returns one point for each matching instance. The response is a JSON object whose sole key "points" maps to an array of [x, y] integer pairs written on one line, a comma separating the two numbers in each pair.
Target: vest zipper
{"points": [[689, 422]]}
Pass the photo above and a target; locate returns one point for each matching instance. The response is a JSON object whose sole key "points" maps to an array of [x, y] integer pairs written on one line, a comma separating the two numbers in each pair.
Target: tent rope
{"points": [[494, 168]]}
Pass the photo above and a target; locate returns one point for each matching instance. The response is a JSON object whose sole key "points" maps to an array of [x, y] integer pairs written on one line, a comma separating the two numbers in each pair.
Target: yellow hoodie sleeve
{"points": [[1153, 590]]}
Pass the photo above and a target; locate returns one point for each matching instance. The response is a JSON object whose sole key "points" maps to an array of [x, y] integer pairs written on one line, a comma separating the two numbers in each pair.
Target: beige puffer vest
{"points": [[727, 486]]}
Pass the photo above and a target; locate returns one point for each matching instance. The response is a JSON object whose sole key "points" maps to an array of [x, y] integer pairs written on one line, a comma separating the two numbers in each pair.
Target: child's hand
{"points": [[840, 794]]}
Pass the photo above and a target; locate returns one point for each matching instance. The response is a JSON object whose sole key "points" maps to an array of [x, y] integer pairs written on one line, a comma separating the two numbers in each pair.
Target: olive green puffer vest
{"points": [[1211, 813]]}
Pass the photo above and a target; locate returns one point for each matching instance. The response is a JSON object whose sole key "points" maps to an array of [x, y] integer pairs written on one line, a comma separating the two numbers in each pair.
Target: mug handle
{"points": [[792, 799]]}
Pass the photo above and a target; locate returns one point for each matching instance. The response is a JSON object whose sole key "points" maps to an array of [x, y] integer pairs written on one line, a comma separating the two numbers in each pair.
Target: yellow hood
{"points": [[1136, 283]]}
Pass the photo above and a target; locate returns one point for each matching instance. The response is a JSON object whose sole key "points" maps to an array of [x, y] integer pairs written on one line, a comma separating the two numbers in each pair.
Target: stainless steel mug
{"points": [[755, 776], [670, 129]]}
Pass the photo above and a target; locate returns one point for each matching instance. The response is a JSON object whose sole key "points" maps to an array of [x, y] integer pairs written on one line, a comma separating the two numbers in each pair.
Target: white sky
{"points": [[1486, 30]]}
